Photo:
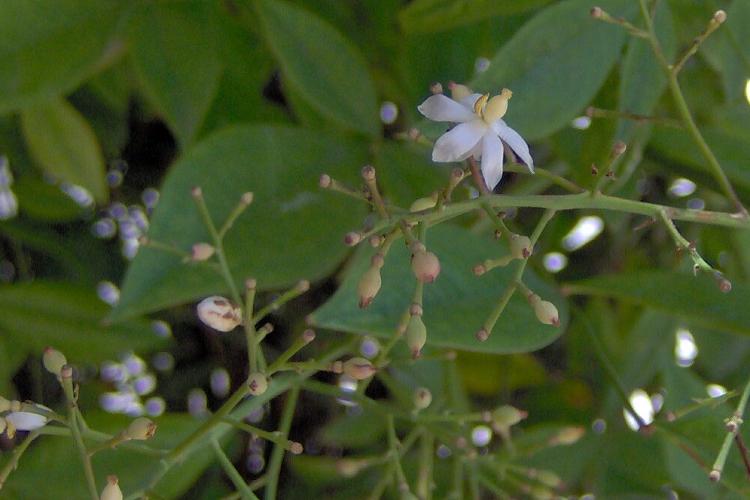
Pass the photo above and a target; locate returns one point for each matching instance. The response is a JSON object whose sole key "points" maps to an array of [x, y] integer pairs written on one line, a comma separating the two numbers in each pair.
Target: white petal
{"points": [[515, 141], [469, 101], [26, 421], [492, 159], [441, 108], [456, 144]]}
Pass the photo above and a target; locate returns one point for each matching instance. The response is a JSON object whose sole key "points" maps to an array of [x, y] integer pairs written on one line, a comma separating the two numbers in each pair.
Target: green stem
{"points": [[75, 432], [426, 460], [277, 456], [685, 245], [12, 463], [296, 346], [231, 471], [282, 299], [499, 224], [250, 333], [733, 427], [393, 449], [273, 437]]}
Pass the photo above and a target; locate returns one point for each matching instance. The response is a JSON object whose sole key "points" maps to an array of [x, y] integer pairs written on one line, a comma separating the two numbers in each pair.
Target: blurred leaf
{"points": [[62, 142], [643, 80], [321, 64], [48, 47], [491, 375], [697, 299], [293, 229], [353, 431], [70, 318], [406, 173], [555, 65], [727, 50], [44, 201], [175, 57], [730, 149], [455, 306], [424, 16]]}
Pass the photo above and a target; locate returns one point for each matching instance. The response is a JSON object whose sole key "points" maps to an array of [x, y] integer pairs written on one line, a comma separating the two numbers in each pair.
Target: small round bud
{"points": [[368, 173], [714, 475], [436, 88], [308, 335], [302, 286], [479, 270], [546, 312], [416, 335], [140, 429], [377, 260], [423, 204], [246, 198], [520, 246], [219, 313], [197, 192], [296, 448], [422, 398], [352, 238], [482, 335], [720, 16], [457, 174], [257, 383], [596, 12], [414, 133], [426, 266], [369, 286], [112, 490], [568, 436], [66, 372], [359, 368], [416, 310], [325, 181], [202, 251], [459, 91], [350, 467], [53, 361], [724, 284], [619, 148], [507, 416], [251, 284]]}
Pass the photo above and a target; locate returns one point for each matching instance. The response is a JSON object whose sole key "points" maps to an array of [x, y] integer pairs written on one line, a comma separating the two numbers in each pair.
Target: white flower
{"points": [[480, 131], [25, 420]]}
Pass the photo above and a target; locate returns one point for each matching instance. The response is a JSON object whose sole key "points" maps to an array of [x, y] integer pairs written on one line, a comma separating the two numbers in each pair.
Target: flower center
{"points": [[491, 110]]}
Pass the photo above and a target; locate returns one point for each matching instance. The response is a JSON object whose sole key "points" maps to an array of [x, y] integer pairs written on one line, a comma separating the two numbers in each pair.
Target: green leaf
{"points": [[727, 50], [555, 65], [293, 229], [425, 16], [643, 81], [697, 299], [48, 47], [175, 58], [455, 306], [323, 66], [62, 142], [43, 201], [70, 318]]}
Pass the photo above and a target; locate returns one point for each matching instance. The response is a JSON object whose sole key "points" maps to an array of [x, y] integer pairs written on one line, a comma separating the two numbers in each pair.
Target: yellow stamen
{"points": [[479, 104], [496, 107]]}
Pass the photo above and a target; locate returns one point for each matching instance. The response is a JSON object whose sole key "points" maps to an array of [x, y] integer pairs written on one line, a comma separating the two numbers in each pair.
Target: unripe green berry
{"points": [[359, 368], [140, 429], [53, 361], [520, 246], [369, 286], [423, 204], [112, 490], [257, 383], [416, 335], [422, 398], [426, 266]]}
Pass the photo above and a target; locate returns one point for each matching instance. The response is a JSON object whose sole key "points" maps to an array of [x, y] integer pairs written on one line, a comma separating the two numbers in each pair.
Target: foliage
{"points": [[603, 294]]}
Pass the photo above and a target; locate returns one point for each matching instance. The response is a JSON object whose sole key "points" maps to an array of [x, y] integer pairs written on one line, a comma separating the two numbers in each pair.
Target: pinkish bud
{"points": [[720, 16], [426, 266], [53, 361], [352, 238], [596, 12], [202, 251], [436, 88], [546, 312], [368, 173], [246, 198], [112, 490], [219, 313], [325, 181]]}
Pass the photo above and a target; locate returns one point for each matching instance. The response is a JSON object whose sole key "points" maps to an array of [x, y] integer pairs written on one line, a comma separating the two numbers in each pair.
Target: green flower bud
{"points": [[546, 312], [359, 368], [506, 416], [520, 246], [422, 398], [425, 265], [549, 478], [112, 490], [257, 383], [416, 335], [53, 361], [140, 429], [369, 286], [423, 204], [567, 436]]}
